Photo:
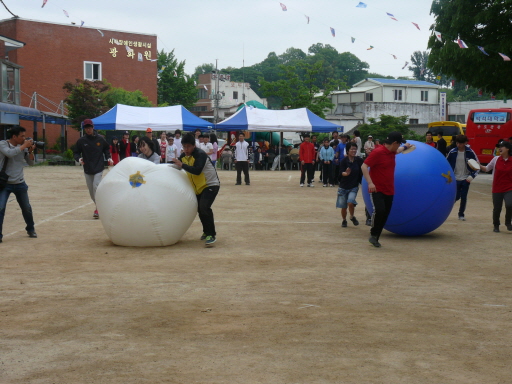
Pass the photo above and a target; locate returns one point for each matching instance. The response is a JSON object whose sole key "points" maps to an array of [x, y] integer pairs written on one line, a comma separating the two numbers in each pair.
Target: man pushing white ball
{"points": [[206, 183]]}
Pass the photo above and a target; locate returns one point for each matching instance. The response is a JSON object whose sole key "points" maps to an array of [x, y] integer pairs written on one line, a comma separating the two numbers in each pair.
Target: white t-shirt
{"points": [[208, 147], [177, 144], [172, 152], [242, 152]]}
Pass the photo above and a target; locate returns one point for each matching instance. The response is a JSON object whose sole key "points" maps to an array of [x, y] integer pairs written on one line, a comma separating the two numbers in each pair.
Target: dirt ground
{"points": [[285, 296]]}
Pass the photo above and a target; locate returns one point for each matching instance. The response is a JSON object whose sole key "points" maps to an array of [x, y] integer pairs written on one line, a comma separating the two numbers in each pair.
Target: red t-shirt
{"points": [[502, 178], [307, 152], [382, 169]]}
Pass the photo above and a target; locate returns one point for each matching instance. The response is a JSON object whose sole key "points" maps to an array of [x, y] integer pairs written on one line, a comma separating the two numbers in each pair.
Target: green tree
{"points": [[419, 62], [298, 88], [380, 129], [85, 100], [174, 86], [484, 23], [203, 68], [121, 96]]}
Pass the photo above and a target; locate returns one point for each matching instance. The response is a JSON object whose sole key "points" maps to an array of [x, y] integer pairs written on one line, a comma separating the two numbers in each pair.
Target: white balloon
{"points": [[143, 204]]}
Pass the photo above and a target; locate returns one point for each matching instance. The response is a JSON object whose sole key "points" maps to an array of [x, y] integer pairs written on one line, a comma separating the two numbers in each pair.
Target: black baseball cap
{"points": [[395, 137]]}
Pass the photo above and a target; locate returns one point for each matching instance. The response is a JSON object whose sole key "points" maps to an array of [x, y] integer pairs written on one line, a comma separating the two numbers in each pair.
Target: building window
{"points": [[202, 93], [369, 97], [235, 95], [397, 94], [201, 108], [92, 71], [424, 95], [10, 84], [459, 118], [413, 121]]}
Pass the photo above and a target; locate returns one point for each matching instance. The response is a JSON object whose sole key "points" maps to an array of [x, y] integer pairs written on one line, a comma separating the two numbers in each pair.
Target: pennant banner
{"points": [[438, 36], [333, 32], [391, 16], [67, 15], [405, 65], [283, 7], [353, 39], [483, 51], [361, 5], [307, 18], [504, 57], [100, 33], [416, 25], [44, 3], [461, 43]]}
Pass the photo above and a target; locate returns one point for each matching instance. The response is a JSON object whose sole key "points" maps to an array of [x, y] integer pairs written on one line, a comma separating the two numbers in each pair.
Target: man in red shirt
{"points": [[429, 140], [379, 172], [125, 150], [307, 160]]}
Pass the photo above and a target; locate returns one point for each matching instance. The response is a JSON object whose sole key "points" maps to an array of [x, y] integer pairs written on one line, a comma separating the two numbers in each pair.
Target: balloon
{"points": [[425, 190], [143, 204]]}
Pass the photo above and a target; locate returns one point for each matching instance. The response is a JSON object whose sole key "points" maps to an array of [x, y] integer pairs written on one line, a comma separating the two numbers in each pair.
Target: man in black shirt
{"points": [[441, 143]]}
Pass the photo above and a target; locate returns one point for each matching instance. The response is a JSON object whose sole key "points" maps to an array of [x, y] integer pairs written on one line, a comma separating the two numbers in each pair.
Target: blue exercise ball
{"points": [[425, 191]]}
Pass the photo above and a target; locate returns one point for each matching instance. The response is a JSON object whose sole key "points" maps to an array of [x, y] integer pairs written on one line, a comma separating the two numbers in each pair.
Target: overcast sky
{"points": [[201, 31]]}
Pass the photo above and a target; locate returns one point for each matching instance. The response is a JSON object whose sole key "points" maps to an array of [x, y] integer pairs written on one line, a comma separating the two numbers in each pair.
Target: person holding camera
{"points": [[91, 150], [14, 152]]}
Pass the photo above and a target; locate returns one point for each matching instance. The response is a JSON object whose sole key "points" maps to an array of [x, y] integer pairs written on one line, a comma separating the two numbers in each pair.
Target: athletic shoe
{"points": [[344, 224], [238, 184], [462, 218], [303, 185], [325, 185], [203, 236], [32, 234], [247, 183], [331, 185], [496, 228], [209, 241], [96, 215], [509, 227], [310, 185], [369, 222], [354, 221], [373, 241]]}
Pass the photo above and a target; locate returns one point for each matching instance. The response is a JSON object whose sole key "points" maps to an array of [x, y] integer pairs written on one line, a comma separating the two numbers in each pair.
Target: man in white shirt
{"points": [[242, 160], [177, 142], [207, 146]]}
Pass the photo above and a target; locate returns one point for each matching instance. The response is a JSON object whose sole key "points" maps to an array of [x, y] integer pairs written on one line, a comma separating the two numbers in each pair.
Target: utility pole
{"points": [[216, 94]]}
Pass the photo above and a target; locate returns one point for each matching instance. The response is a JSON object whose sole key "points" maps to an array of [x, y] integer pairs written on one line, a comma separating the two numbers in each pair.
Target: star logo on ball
{"points": [[136, 180], [447, 176]]}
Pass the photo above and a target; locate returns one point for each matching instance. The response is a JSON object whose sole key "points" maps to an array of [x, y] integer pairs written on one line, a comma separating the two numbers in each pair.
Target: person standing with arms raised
{"points": [[242, 160], [379, 172]]}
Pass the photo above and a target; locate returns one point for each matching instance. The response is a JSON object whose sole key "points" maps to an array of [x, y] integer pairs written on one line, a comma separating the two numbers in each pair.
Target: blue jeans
{"points": [[21, 192], [462, 194]]}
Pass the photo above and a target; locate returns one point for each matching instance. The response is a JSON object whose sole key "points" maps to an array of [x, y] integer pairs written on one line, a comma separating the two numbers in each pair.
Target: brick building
{"points": [[56, 53]]}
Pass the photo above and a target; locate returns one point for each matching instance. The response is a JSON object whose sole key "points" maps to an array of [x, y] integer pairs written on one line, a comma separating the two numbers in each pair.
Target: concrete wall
{"points": [[425, 113]]}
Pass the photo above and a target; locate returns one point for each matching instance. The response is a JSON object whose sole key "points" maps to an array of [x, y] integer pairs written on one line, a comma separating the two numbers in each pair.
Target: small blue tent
{"points": [[128, 118], [264, 120]]}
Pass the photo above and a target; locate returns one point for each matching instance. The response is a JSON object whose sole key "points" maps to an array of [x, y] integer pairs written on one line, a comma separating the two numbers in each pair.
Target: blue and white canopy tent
{"points": [[265, 120], [128, 118]]}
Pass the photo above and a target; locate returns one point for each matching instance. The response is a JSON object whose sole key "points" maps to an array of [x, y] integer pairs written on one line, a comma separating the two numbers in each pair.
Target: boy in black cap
{"points": [[381, 181]]}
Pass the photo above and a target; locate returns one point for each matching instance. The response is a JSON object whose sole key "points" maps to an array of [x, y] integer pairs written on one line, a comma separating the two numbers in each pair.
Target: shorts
{"points": [[346, 196]]}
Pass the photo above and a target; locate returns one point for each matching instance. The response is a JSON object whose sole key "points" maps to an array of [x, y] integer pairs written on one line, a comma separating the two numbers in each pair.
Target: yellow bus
{"points": [[449, 129]]}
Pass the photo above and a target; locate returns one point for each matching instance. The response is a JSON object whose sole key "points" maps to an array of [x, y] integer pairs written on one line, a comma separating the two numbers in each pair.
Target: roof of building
{"points": [[76, 26], [416, 83]]}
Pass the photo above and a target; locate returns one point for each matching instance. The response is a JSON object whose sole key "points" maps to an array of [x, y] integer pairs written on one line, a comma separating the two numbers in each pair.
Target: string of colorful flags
{"points": [[460, 42], [352, 38], [463, 45]]}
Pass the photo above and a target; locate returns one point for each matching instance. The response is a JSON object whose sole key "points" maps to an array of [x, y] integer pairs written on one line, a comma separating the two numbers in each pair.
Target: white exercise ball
{"points": [[143, 204]]}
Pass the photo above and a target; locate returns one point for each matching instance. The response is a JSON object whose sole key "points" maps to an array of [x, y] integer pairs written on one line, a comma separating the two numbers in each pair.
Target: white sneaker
{"points": [[302, 185], [325, 185], [310, 185]]}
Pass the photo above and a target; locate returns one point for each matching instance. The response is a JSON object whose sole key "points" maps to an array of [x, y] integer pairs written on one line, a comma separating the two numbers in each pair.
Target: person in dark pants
{"points": [[14, 152], [441, 143], [381, 181], [206, 183], [307, 158], [464, 174], [242, 160]]}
